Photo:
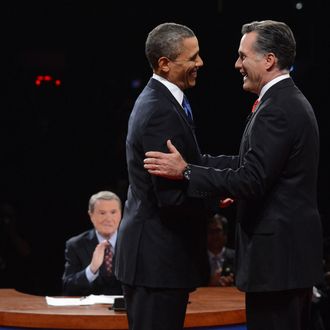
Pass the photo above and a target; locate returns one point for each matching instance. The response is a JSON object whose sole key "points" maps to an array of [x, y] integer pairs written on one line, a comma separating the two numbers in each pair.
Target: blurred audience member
{"points": [[85, 270], [220, 256]]}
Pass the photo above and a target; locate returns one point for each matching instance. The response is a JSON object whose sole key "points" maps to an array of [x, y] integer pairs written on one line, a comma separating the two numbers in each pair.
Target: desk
{"points": [[209, 307]]}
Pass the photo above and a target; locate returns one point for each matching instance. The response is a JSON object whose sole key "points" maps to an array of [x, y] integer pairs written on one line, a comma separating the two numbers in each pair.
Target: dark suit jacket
{"points": [[161, 240], [78, 255], [228, 266], [274, 181]]}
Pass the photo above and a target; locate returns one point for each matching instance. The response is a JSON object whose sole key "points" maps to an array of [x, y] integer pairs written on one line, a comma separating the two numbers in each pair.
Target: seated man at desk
{"points": [[88, 256]]}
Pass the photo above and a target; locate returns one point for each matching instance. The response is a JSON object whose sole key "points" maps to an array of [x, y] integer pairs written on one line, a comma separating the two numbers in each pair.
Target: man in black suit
{"points": [[85, 270], [161, 247], [221, 257], [274, 181]]}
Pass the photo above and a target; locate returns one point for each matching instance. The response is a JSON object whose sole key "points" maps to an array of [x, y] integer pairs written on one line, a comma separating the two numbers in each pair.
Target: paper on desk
{"points": [[89, 300]]}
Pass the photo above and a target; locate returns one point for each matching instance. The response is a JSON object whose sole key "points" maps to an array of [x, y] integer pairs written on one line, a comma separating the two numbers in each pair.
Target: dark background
{"points": [[59, 145]]}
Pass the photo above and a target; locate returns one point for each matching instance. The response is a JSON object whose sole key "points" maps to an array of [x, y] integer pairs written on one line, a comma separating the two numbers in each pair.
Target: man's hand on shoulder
{"points": [[168, 165]]}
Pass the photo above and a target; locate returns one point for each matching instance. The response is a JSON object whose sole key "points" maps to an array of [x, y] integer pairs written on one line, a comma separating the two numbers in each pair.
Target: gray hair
{"points": [[166, 40], [274, 37], [104, 195]]}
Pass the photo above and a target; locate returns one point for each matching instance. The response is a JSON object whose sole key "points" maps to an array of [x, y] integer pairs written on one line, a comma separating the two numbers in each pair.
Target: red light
{"points": [[47, 79]]}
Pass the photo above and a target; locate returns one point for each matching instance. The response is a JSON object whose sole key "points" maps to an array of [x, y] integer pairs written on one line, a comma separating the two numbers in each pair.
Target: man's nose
{"points": [[238, 64], [199, 61]]}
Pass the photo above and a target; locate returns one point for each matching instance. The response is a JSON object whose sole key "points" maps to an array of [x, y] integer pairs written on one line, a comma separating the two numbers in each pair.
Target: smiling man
{"points": [[88, 256], [161, 249], [273, 179]]}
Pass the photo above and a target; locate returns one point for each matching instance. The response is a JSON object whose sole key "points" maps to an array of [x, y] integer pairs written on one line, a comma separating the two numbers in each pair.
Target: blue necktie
{"points": [[187, 108]]}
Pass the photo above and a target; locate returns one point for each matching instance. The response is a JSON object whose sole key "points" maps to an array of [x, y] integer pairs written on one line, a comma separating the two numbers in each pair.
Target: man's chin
{"points": [[247, 87]]}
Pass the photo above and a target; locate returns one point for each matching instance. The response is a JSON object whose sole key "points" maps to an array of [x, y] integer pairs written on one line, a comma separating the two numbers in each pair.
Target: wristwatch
{"points": [[186, 172]]}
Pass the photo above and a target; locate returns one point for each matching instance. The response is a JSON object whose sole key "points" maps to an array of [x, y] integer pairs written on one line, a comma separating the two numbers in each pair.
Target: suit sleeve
{"points": [[264, 150], [166, 124], [74, 279], [220, 162]]}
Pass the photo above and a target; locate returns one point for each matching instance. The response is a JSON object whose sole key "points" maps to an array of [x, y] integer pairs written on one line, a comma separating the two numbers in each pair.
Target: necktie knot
{"points": [[255, 104], [186, 107]]}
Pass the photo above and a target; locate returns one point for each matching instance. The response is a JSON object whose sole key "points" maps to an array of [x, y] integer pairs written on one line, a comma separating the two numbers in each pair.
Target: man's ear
{"points": [[163, 64], [270, 60]]}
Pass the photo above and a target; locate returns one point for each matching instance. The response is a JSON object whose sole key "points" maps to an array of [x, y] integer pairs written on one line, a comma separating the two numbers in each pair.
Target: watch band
{"points": [[186, 172]]}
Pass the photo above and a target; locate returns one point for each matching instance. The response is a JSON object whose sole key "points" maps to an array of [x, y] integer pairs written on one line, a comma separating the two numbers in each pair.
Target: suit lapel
{"points": [[285, 83], [91, 242], [155, 84]]}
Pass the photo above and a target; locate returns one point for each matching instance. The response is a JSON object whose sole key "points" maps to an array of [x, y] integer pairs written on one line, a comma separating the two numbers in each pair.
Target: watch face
{"points": [[186, 173]]}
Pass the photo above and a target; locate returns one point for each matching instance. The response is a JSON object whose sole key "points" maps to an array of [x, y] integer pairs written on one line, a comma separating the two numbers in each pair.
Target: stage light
{"points": [[47, 80]]}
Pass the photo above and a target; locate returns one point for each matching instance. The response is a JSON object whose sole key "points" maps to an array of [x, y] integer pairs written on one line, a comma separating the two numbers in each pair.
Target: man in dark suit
{"points": [[273, 180], [161, 246], [85, 270], [221, 257]]}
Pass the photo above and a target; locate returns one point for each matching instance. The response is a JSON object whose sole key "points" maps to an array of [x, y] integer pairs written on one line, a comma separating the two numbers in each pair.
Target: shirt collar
{"points": [[271, 83], [112, 239], [219, 255], [174, 89]]}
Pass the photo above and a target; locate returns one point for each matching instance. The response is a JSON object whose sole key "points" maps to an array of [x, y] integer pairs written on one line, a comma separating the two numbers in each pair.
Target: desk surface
{"points": [[208, 307]]}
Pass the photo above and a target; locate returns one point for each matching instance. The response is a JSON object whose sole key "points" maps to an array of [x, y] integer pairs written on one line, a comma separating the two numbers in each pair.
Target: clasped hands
{"points": [[220, 280], [98, 256]]}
